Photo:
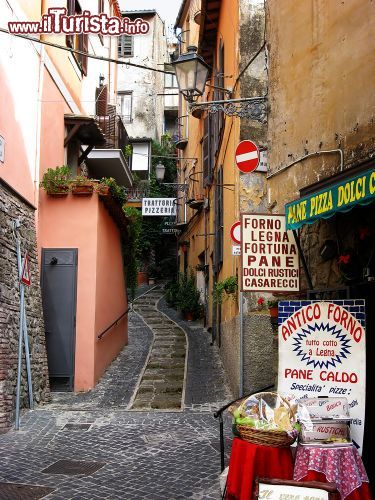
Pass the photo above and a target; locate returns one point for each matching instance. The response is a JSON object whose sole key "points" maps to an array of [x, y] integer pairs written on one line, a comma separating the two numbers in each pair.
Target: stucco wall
{"points": [[111, 300], [79, 222], [148, 107], [321, 88]]}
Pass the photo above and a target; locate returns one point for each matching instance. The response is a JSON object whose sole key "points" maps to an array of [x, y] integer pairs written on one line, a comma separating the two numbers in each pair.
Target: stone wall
{"points": [[259, 351], [11, 207]]}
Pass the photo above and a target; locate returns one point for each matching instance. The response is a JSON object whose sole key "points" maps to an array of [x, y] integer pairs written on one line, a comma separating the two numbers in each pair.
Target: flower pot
{"points": [[151, 281], [59, 191], [142, 278], [188, 316], [274, 311], [103, 190], [184, 248], [83, 189]]}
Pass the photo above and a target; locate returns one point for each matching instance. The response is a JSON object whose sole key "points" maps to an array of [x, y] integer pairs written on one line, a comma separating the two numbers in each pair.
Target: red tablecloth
{"points": [[342, 466], [248, 461]]}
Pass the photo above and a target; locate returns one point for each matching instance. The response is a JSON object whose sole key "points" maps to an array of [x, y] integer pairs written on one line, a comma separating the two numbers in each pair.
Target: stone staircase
{"points": [[162, 385]]}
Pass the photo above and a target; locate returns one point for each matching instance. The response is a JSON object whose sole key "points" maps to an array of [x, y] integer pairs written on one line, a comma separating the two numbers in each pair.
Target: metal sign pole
{"points": [[22, 334], [241, 345]]}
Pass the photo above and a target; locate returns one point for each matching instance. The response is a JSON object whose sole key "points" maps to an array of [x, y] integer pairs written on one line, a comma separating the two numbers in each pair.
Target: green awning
{"points": [[341, 197]]}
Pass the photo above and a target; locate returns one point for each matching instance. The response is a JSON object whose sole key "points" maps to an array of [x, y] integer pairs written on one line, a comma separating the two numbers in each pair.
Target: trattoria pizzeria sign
{"points": [[269, 254], [159, 206], [322, 352]]}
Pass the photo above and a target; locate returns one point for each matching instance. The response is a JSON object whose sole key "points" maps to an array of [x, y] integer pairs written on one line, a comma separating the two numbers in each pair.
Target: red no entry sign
{"points": [[235, 232], [247, 156]]}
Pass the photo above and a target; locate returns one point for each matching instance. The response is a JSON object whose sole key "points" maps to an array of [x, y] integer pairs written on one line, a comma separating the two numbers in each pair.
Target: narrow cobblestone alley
{"points": [[147, 427]]}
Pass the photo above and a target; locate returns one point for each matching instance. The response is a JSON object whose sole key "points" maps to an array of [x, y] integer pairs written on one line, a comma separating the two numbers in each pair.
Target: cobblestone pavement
{"points": [[146, 455], [163, 381]]}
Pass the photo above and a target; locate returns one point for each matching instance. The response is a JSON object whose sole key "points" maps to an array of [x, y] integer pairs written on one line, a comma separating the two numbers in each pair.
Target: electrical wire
{"points": [[83, 53]]}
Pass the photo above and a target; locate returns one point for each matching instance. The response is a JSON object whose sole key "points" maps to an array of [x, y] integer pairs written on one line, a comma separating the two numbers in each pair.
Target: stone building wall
{"points": [[12, 207]]}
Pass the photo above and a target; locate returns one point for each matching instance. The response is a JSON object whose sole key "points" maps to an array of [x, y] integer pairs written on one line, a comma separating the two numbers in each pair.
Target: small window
{"points": [[125, 46], [78, 41], [125, 106]]}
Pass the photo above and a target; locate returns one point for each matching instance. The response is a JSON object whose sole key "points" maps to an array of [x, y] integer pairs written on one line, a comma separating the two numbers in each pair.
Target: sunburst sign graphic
{"points": [[314, 349]]}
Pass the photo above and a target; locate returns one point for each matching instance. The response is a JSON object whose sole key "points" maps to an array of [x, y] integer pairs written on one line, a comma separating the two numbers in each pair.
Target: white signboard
{"points": [[283, 492], [159, 206], [236, 250], [269, 255], [322, 352]]}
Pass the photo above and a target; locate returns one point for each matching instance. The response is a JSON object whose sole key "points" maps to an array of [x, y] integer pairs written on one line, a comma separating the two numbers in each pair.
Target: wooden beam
{"points": [[71, 133], [85, 154]]}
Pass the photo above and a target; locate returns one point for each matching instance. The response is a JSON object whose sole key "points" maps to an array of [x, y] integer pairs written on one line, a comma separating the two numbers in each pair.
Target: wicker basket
{"points": [[273, 438]]}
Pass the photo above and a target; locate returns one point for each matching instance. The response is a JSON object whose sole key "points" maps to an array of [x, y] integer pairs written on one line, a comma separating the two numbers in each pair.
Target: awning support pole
{"points": [[303, 260]]}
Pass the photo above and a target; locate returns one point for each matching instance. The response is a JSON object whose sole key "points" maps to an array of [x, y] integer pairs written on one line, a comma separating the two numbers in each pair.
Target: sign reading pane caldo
{"points": [[322, 352], [159, 206], [269, 255]]}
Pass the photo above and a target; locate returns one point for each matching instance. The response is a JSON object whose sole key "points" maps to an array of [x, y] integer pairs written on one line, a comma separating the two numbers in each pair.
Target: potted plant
{"points": [[82, 186], [184, 245], [102, 188], [227, 286], [152, 274], [56, 181], [273, 308], [188, 299]]}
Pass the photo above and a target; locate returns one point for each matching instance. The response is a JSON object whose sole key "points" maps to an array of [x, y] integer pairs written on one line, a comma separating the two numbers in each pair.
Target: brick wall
{"points": [[355, 307], [11, 207]]}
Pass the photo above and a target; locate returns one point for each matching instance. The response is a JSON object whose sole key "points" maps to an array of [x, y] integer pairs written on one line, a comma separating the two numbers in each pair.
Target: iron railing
{"points": [[136, 194]]}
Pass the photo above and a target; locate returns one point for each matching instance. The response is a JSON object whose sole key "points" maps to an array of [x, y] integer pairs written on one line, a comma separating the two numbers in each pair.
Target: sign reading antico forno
{"points": [[269, 254], [322, 352], [159, 206]]}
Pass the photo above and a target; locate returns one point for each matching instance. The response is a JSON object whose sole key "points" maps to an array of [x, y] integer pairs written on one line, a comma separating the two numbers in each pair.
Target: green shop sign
{"points": [[359, 190]]}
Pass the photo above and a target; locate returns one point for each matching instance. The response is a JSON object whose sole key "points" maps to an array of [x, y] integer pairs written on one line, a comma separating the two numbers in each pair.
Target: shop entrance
{"points": [[367, 291]]}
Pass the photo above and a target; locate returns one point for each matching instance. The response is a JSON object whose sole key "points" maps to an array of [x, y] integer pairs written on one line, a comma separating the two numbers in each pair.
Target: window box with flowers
{"points": [[57, 181], [82, 186]]}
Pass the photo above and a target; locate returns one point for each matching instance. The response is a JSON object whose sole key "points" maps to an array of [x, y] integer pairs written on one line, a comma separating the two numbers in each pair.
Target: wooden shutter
{"points": [[71, 8], [219, 221], [101, 100], [85, 48], [206, 151]]}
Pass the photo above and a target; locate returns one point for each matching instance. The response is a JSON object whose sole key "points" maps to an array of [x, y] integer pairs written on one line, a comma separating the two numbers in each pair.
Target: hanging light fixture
{"points": [[191, 73]]}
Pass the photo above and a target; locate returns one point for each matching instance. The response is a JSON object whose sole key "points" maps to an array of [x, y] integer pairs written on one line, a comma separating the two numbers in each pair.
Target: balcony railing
{"points": [[136, 194], [114, 131]]}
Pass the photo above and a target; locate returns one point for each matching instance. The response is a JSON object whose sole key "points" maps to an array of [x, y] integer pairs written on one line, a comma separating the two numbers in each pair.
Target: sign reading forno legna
{"points": [[269, 254], [159, 206], [322, 352]]}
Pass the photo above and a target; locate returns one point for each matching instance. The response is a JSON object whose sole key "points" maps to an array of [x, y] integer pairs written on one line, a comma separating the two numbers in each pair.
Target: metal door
{"points": [[59, 285]]}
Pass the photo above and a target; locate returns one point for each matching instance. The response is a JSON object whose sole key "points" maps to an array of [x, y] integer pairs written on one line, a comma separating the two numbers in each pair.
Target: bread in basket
{"points": [[266, 418]]}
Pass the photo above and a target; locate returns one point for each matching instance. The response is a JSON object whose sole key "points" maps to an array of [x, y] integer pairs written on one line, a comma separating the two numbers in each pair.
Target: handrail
{"points": [[114, 323]]}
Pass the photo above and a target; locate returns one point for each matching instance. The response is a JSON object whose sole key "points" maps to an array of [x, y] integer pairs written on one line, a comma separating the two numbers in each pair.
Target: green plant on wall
{"points": [[188, 297], [56, 179], [131, 247], [128, 150], [225, 289], [117, 192]]}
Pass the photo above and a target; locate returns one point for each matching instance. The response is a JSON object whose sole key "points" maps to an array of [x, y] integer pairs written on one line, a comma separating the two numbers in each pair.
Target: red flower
{"points": [[260, 301], [364, 232], [344, 259]]}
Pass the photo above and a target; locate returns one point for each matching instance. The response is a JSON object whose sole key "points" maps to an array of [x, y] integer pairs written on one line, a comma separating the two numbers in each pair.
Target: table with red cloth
{"points": [[340, 465], [249, 461]]}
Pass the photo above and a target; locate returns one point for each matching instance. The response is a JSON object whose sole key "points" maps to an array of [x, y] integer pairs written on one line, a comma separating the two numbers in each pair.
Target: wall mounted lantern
{"points": [[160, 172], [192, 73]]}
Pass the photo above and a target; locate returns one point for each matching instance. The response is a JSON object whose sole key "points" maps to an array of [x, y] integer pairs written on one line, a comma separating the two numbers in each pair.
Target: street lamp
{"points": [[159, 174], [191, 73]]}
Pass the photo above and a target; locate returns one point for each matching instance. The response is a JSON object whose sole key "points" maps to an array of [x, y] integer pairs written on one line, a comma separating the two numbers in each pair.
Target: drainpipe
{"points": [[241, 346], [316, 153]]}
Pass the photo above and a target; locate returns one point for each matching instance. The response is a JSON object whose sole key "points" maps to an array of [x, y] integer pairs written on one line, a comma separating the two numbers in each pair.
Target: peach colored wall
{"points": [[71, 222], [52, 152], [111, 300]]}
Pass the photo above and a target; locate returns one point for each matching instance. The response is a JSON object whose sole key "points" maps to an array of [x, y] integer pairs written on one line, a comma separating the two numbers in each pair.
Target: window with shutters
{"points": [[219, 221], [125, 46], [100, 6], [125, 106], [206, 161], [78, 41]]}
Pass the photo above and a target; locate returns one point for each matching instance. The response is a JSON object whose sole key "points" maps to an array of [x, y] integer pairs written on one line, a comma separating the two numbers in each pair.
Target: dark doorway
{"points": [[59, 285], [367, 291]]}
